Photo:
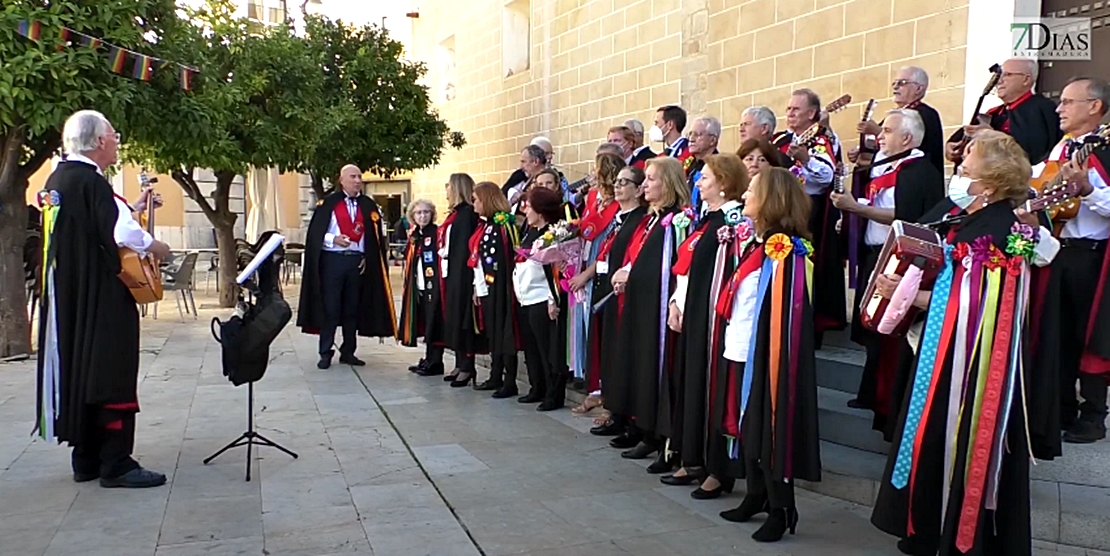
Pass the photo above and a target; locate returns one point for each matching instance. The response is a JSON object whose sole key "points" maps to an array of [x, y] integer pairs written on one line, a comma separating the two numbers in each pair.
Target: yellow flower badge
{"points": [[779, 247]]}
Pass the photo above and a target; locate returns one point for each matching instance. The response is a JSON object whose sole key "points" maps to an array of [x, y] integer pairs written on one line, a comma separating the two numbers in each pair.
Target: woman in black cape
{"points": [[492, 257], [957, 477], [704, 264], [644, 279], [460, 332], [421, 303]]}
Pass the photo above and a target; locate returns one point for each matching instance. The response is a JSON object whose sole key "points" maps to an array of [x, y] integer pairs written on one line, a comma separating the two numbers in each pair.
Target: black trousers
{"points": [[546, 374], [761, 485], [1075, 271], [433, 354], [339, 276], [464, 362], [502, 366], [111, 441]]}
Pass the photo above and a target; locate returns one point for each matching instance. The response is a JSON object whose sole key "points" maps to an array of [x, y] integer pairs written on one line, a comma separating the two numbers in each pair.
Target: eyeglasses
{"points": [[902, 83], [625, 182], [1070, 101], [1013, 73]]}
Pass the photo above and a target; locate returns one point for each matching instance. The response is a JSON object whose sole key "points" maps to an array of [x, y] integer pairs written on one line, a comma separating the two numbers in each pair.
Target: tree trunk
{"points": [[15, 330], [219, 214], [317, 185], [228, 269]]}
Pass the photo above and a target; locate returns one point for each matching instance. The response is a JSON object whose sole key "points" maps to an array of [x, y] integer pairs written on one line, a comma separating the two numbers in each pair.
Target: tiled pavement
{"points": [[390, 464]]}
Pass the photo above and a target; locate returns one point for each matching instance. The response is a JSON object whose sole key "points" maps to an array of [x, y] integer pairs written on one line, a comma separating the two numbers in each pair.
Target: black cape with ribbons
{"points": [[413, 323], [375, 304]]}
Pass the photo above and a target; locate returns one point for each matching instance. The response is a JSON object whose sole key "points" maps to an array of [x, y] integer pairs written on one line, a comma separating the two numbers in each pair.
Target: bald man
{"points": [[1029, 118], [346, 276]]}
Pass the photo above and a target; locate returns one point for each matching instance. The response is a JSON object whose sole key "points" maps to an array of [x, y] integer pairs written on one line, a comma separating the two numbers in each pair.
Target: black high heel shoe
{"points": [[451, 377], [749, 508], [778, 522], [722, 486], [470, 377], [691, 477]]}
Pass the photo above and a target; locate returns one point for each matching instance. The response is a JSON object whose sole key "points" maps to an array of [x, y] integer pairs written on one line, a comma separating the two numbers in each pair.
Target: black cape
{"points": [[640, 326], [691, 362], [375, 306], [460, 331], [499, 308], [1033, 123], [1005, 531], [413, 323], [615, 381], [97, 346]]}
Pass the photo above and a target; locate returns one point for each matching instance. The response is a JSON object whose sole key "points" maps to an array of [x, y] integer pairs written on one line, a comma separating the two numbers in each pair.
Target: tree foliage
{"points": [[42, 84], [378, 115], [256, 102]]}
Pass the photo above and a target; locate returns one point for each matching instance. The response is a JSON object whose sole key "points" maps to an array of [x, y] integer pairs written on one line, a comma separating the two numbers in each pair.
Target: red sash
{"points": [[594, 221], [685, 257], [638, 238], [353, 230], [885, 181], [749, 263], [475, 243]]}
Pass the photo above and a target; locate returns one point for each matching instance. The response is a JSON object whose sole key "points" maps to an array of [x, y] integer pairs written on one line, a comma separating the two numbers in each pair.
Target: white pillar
{"points": [[989, 41]]}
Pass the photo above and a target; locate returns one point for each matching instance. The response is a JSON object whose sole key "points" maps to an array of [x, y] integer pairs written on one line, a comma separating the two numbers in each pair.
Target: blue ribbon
{"points": [[923, 375], [765, 276]]}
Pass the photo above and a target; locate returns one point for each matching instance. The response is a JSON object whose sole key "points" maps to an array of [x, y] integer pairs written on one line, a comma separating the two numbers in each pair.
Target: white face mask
{"points": [[958, 191], [655, 135]]}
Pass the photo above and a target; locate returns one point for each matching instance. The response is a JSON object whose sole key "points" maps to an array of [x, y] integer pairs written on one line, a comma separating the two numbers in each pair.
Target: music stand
{"points": [[266, 269]]}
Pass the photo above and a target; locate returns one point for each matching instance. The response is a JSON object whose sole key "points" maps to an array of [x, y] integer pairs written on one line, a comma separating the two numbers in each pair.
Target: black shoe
{"points": [[1085, 432], [136, 478], [467, 378], [451, 377], [548, 405], [351, 360], [85, 477], [661, 464], [683, 480], [431, 370], [702, 494], [855, 403], [748, 508], [776, 525], [913, 547], [325, 362], [505, 392], [419, 366], [625, 441], [640, 451], [612, 428], [530, 398], [488, 386]]}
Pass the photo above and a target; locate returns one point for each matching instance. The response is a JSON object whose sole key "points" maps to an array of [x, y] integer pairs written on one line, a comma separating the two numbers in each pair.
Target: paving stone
{"points": [[251, 546], [448, 459]]}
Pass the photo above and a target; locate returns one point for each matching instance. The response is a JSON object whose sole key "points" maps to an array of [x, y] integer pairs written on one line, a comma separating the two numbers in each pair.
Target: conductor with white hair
{"points": [[908, 88], [906, 187], [88, 363], [1029, 118]]}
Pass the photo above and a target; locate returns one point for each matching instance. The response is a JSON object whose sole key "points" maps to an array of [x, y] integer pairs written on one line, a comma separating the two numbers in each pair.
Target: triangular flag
{"points": [[117, 57], [142, 67], [30, 29]]}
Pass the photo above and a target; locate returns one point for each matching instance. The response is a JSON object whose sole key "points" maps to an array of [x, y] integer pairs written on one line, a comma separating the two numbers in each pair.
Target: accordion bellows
{"points": [[915, 253]]}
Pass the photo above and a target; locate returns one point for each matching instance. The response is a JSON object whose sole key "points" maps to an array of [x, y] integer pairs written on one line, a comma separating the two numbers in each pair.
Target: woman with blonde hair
{"points": [[644, 286], [597, 222], [456, 278], [421, 306], [493, 257], [771, 402], [957, 475], [705, 262]]}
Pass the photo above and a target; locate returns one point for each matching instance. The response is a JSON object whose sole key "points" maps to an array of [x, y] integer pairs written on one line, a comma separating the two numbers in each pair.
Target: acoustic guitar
{"points": [[960, 136], [140, 273], [863, 160], [808, 137], [1059, 201]]}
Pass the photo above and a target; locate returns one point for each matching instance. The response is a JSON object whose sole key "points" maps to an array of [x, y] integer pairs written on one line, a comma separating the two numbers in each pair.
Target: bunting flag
{"points": [[119, 59]]}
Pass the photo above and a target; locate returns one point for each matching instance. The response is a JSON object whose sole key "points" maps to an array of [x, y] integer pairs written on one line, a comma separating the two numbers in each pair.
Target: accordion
{"points": [[915, 253]]}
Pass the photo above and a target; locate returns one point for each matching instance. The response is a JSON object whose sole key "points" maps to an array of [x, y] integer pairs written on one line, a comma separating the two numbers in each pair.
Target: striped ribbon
{"points": [[664, 295], [765, 276], [797, 302], [923, 375]]}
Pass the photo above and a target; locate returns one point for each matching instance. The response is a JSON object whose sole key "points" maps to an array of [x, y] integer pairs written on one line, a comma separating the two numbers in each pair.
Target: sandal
{"points": [[586, 406], [603, 420]]}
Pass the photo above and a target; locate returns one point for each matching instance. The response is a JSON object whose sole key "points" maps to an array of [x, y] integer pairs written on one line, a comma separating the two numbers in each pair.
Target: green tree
{"points": [[256, 102], [378, 115], [40, 86]]}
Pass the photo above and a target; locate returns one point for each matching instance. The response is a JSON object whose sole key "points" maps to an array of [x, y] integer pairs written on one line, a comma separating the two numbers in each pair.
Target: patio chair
{"points": [[180, 281]]}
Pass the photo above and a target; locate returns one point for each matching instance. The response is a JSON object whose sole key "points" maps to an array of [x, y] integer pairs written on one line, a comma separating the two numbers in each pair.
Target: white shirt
{"points": [[738, 331], [683, 282], [481, 289], [1093, 219], [877, 233], [818, 171], [530, 284], [333, 229], [127, 232]]}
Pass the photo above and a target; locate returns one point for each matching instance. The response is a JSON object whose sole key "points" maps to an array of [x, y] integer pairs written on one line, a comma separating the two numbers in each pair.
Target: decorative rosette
{"points": [[1022, 240], [960, 252], [745, 230], [682, 219], [503, 218], [802, 246], [779, 246], [984, 252], [725, 234], [797, 171], [49, 198], [666, 220], [733, 217]]}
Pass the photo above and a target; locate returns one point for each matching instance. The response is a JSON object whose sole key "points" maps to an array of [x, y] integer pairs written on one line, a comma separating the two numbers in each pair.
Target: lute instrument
{"points": [[960, 136], [808, 137], [141, 273], [1053, 193], [863, 159]]}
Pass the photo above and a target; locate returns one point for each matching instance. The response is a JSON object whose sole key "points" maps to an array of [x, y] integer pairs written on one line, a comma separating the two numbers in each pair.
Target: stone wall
{"points": [[596, 63]]}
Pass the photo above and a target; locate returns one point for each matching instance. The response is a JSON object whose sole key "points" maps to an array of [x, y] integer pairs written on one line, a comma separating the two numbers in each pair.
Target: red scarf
{"points": [[475, 243], [352, 229], [596, 219], [685, 258], [639, 237]]}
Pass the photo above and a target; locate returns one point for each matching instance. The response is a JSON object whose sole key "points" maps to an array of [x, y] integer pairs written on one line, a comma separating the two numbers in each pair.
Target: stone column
{"points": [[695, 56]]}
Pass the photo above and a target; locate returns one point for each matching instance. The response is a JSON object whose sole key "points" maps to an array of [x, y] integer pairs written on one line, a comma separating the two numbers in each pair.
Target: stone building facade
{"points": [[505, 71]]}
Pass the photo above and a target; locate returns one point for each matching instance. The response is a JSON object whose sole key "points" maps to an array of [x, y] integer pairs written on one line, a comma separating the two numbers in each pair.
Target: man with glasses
{"points": [[1029, 118], [1074, 323], [704, 135], [909, 88]]}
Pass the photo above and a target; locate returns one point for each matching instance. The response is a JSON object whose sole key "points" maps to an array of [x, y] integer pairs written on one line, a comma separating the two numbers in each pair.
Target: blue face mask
{"points": [[958, 191]]}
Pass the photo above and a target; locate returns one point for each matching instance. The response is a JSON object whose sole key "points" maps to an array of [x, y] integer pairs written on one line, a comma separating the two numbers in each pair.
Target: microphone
{"points": [[948, 220]]}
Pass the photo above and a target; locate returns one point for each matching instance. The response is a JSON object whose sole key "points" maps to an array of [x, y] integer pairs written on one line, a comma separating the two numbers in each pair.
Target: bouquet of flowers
{"points": [[560, 245]]}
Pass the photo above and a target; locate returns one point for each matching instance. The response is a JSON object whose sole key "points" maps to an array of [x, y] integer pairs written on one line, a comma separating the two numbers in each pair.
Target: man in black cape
{"points": [[1029, 118], [904, 185], [88, 365], [346, 276]]}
